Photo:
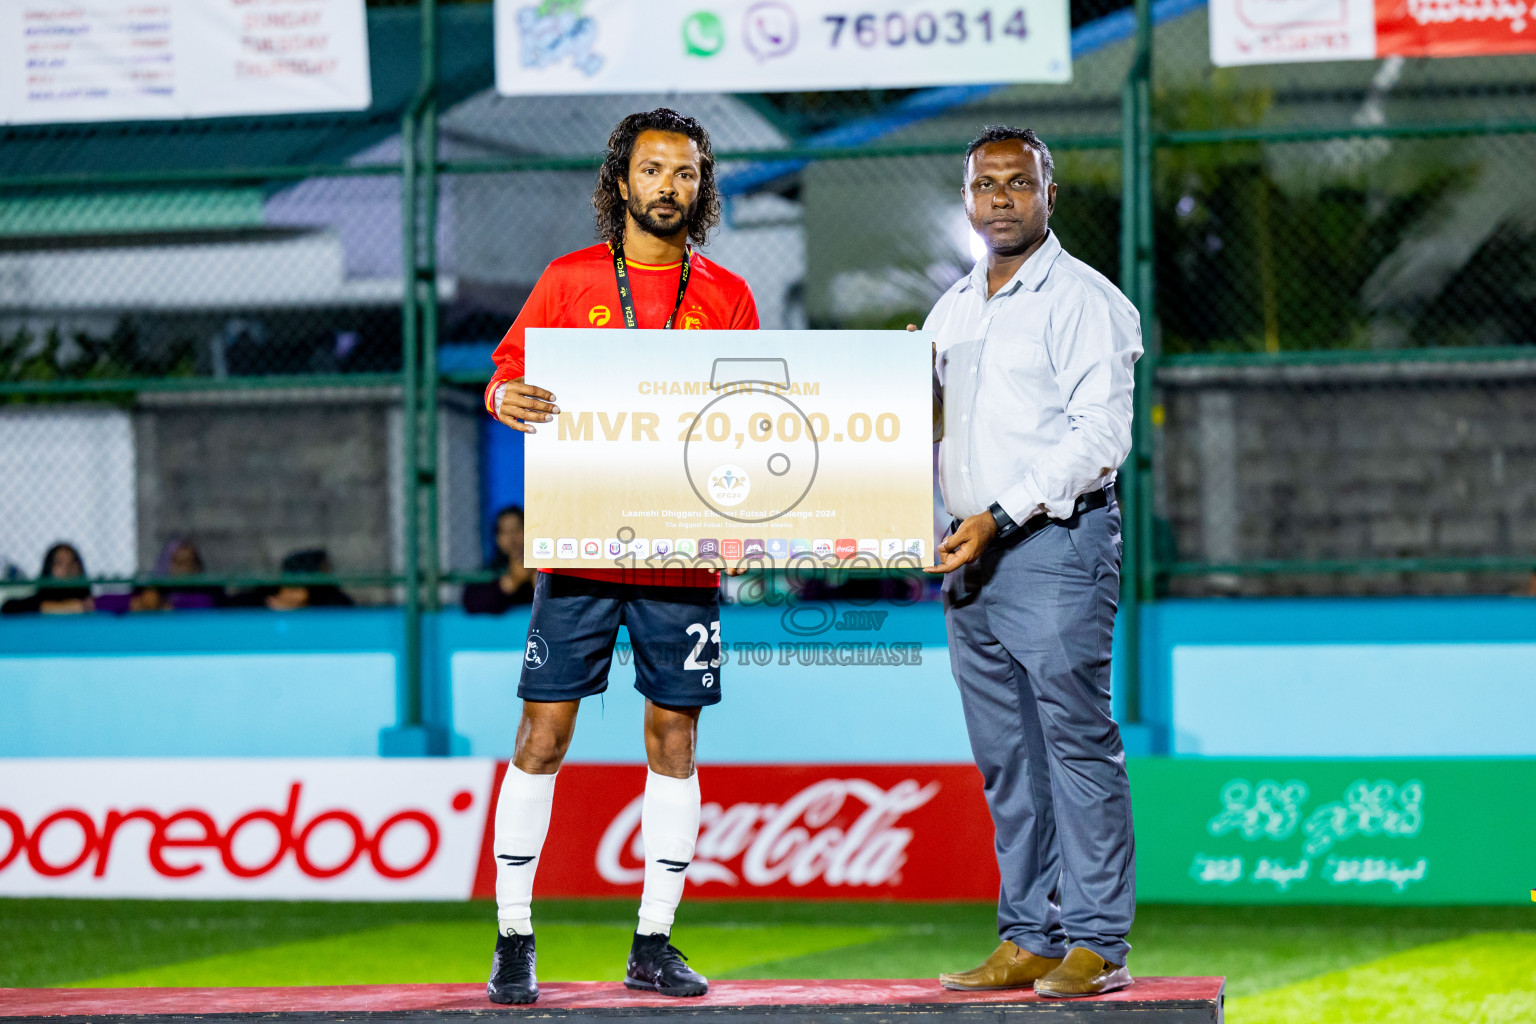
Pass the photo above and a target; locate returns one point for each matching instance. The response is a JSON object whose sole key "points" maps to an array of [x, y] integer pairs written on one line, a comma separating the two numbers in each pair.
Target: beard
{"points": [[653, 225]]}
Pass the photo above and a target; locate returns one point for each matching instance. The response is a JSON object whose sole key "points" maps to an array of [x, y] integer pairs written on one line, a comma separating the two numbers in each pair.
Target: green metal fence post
{"points": [[426, 285], [411, 736], [1136, 280], [1146, 301]]}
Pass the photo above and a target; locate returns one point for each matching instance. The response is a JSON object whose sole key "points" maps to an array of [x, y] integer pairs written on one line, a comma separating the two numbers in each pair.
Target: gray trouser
{"points": [[1030, 626]]}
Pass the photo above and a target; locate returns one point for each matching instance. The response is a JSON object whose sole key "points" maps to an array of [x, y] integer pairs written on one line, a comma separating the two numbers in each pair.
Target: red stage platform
{"points": [[1149, 1001]]}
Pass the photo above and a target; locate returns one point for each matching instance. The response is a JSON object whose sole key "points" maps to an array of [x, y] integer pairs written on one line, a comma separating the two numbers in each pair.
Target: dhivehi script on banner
{"points": [[546, 47], [117, 60], [1283, 31]]}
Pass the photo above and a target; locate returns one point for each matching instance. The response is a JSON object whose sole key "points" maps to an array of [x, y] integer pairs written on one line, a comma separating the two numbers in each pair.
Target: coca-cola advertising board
{"points": [[1285, 31], [781, 831], [421, 829]]}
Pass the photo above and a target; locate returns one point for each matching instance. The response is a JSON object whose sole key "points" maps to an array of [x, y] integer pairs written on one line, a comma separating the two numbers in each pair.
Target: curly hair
{"points": [[1005, 133], [609, 203]]}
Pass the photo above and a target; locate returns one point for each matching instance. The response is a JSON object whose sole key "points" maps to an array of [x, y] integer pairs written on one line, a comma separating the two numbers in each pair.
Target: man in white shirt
{"points": [[1033, 365]]}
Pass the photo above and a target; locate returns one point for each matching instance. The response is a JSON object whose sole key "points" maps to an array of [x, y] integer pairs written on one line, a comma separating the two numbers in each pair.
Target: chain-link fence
{"points": [[205, 338], [203, 381], [1346, 282]]}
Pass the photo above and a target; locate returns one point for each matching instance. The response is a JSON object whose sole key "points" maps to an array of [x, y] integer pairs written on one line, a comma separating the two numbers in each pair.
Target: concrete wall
{"points": [[253, 475], [1350, 462]]}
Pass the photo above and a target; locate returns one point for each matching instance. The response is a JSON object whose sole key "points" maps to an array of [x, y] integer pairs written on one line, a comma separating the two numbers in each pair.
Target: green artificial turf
{"points": [[55, 942], [1285, 965], [1483, 979], [1259, 948], [61, 942], [461, 952]]}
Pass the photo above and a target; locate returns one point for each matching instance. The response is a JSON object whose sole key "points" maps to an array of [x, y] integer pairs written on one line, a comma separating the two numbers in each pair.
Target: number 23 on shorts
{"points": [[703, 638]]}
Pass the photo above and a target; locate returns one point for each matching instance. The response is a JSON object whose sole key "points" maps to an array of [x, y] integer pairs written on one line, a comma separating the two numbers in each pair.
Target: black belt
{"points": [[1040, 520]]}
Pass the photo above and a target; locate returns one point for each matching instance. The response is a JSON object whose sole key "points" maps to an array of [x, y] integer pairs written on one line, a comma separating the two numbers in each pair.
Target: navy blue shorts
{"points": [[674, 637]]}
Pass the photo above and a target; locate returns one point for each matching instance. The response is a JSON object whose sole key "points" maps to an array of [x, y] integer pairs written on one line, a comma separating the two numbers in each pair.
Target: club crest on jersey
{"points": [[694, 321], [598, 316], [537, 651]]}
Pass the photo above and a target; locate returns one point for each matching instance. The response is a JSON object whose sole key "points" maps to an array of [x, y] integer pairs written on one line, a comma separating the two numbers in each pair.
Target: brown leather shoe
{"points": [[1083, 973], [1007, 967]]}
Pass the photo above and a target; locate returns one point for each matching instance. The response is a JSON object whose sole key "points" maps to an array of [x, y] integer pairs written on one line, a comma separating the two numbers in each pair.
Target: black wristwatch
{"points": [[1005, 523]]}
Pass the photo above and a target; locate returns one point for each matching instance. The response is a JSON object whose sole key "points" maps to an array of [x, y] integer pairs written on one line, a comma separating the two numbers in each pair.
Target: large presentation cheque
{"points": [[686, 448]]}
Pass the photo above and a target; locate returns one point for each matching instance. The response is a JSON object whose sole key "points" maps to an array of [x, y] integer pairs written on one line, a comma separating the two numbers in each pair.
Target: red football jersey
{"points": [[579, 290]]}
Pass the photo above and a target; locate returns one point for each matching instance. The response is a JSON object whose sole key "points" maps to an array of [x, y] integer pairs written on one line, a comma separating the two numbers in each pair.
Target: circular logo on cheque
{"points": [[728, 485]]}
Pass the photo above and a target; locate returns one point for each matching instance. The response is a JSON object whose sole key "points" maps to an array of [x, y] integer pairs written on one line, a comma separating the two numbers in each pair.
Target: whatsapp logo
{"points": [[703, 34]]}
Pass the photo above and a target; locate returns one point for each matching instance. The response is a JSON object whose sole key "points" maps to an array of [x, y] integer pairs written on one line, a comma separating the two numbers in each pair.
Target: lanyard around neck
{"points": [[626, 297]]}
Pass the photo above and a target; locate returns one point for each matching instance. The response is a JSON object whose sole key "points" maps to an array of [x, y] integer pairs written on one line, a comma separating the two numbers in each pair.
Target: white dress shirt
{"points": [[1036, 385]]}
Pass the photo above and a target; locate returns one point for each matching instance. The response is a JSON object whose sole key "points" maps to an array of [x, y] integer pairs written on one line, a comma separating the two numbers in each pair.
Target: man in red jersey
{"points": [[655, 192]]}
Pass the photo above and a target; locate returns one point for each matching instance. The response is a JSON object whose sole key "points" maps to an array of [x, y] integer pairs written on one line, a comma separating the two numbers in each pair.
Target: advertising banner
{"points": [[421, 828], [1454, 28], [115, 60], [1282, 31], [1347, 831], [342, 829], [781, 832], [614, 46], [673, 448], [1304, 831]]}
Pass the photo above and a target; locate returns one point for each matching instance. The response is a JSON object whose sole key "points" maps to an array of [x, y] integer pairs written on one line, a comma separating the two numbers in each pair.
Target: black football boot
{"points": [[512, 971], [655, 965]]}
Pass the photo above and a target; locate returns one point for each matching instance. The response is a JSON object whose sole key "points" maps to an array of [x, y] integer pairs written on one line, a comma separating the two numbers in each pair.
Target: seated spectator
{"points": [[62, 562], [179, 557], [290, 597], [515, 584]]}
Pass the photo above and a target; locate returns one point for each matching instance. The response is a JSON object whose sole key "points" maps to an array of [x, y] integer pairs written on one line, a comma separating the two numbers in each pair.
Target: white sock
{"points": [[669, 826], [522, 821]]}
